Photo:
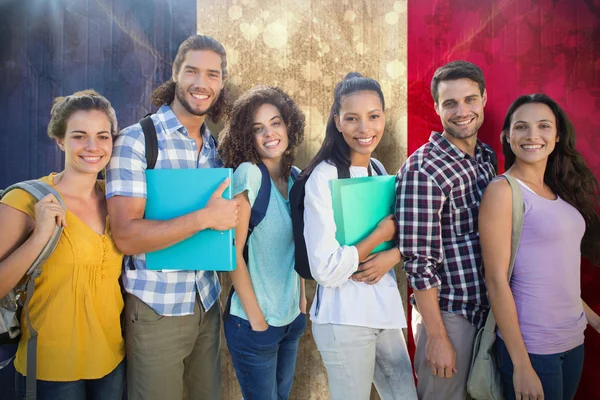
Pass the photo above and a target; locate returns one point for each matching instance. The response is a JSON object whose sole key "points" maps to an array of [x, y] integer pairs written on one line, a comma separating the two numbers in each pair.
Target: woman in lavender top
{"points": [[540, 314]]}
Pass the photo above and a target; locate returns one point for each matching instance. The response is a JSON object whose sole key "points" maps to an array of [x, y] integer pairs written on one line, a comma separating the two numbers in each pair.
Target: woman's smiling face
{"points": [[361, 121], [533, 134]]}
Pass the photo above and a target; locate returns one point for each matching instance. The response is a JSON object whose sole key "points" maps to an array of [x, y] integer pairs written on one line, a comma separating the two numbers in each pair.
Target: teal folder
{"points": [[358, 206], [176, 192]]}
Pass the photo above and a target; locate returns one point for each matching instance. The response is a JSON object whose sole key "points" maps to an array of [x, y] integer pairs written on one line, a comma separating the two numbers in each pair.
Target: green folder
{"points": [[358, 206]]}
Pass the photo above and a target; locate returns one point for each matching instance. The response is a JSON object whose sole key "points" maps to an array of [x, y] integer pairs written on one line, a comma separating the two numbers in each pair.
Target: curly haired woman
{"points": [[268, 307]]}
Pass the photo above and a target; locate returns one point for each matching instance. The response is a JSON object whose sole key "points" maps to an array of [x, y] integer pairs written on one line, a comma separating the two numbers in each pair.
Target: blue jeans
{"points": [[559, 373], [7, 372], [109, 387], [265, 361]]}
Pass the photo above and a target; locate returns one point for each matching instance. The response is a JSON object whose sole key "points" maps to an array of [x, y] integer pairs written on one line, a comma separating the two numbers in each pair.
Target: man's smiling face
{"points": [[460, 107], [199, 81]]}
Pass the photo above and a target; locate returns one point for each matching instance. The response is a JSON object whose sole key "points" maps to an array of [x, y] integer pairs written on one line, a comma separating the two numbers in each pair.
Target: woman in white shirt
{"points": [[357, 314]]}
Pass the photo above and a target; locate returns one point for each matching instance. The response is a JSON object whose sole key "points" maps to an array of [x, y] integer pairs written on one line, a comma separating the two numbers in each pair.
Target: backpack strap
{"points": [[261, 203], [257, 214], [38, 190], [344, 173], [295, 173], [151, 141], [259, 209], [377, 166], [494, 161], [517, 229]]}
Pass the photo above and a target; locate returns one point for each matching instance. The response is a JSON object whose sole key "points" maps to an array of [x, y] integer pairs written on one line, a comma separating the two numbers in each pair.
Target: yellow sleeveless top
{"points": [[77, 303]]}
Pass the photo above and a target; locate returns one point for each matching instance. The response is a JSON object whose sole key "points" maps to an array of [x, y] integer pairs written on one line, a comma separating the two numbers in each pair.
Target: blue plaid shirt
{"points": [[174, 292]]}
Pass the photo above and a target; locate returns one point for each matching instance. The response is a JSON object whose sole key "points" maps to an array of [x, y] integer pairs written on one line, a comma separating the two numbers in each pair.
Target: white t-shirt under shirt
{"points": [[341, 300]]}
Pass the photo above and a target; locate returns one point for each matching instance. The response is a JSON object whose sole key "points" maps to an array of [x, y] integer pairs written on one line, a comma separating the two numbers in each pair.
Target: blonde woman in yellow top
{"points": [[77, 301]]}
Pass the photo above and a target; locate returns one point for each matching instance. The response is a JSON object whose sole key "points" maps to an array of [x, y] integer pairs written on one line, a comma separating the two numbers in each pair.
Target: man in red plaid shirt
{"points": [[438, 192]]}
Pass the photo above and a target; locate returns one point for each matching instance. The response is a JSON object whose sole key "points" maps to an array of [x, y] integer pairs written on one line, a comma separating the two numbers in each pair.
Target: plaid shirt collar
{"points": [[171, 124], [444, 145]]}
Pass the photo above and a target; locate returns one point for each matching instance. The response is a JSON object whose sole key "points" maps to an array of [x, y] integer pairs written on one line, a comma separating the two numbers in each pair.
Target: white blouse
{"points": [[341, 300]]}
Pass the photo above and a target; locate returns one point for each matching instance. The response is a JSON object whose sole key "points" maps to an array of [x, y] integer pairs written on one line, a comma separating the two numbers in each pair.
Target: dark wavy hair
{"points": [[165, 93], [238, 144], [566, 172], [334, 149]]}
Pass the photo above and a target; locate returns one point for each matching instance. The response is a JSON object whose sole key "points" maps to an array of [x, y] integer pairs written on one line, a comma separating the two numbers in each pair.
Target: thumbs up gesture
{"points": [[223, 213]]}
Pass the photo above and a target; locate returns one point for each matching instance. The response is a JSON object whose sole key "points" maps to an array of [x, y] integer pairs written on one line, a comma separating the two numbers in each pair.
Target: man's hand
{"points": [[527, 384], [441, 357], [224, 214], [376, 266]]}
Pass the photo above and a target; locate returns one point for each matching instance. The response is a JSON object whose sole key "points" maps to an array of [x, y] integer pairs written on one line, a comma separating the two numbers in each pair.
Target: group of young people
{"points": [[453, 239]]}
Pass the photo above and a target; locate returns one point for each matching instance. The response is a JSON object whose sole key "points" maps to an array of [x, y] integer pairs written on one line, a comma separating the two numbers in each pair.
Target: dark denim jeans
{"points": [[559, 373], [265, 361], [110, 387]]}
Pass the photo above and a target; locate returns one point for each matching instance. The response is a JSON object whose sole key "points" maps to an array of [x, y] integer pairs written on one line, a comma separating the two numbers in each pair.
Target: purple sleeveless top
{"points": [[546, 281]]}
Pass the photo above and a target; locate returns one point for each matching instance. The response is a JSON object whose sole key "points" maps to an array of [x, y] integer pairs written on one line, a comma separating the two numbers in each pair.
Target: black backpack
{"points": [[152, 141], [297, 208], [257, 213]]}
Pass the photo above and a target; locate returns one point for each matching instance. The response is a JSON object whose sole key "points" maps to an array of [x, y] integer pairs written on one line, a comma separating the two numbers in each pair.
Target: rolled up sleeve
{"points": [[126, 171], [419, 203]]}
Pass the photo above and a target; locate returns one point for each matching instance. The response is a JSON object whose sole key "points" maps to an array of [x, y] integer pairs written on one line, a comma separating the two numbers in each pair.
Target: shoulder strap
{"points": [[494, 160], [257, 214], [343, 173], [377, 166], [295, 172], [38, 190], [517, 230], [151, 141], [259, 209], [517, 221]]}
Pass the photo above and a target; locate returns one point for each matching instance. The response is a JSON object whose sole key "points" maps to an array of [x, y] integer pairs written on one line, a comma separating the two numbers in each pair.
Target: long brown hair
{"points": [[566, 172]]}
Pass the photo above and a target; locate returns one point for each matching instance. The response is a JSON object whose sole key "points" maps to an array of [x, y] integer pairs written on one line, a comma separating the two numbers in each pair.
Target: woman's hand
{"points": [[527, 384], [387, 228], [259, 326], [303, 304], [376, 266], [48, 215], [592, 317]]}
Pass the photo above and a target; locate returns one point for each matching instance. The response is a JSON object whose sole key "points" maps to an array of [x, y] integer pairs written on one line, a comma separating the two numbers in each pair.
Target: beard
{"points": [[180, 94], [461, 133]]}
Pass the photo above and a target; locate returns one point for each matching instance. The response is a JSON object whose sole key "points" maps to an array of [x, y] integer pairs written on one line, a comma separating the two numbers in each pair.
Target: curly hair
{"points": [[566, 172], [84, 100], [165, 93], [238, 144]]}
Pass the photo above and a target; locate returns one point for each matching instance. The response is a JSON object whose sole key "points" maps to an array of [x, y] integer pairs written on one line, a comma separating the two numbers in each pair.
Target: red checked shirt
{"points": [[438, 191]]}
